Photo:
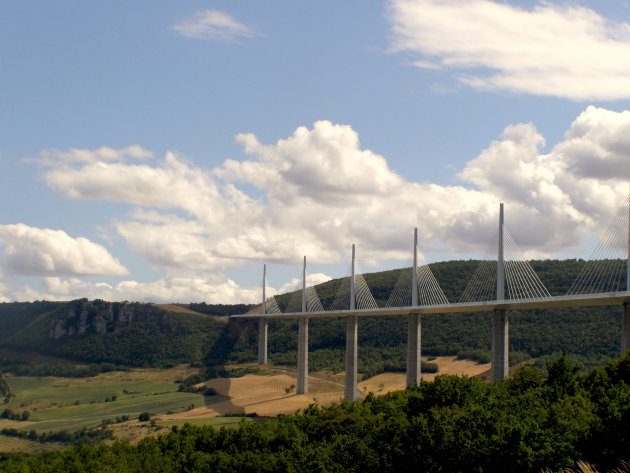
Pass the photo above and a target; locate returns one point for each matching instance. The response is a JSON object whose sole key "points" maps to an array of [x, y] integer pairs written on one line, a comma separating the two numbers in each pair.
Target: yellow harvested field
{"points": [[275, 394], [386, 382], [264, 395], [452, 365]]}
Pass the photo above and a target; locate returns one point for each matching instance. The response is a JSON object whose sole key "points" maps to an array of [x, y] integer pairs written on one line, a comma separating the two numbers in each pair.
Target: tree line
{"points": [[528, 423]]}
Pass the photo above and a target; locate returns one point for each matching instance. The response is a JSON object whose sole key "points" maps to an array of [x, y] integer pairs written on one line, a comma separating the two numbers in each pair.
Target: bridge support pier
{"points": [[302, 368], [414, 367], [351, 393], [262, 341], [625, 329], [500, 343]]}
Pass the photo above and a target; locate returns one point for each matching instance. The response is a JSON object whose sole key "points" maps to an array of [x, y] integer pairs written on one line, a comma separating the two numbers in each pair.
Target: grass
{"points": [[14, 445], [70, 404], [231, 421]]}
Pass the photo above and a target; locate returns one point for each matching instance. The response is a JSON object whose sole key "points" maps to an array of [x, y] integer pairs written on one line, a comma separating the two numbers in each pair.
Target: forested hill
{"points": [[589, 335], [136, 334], [121, 333]]}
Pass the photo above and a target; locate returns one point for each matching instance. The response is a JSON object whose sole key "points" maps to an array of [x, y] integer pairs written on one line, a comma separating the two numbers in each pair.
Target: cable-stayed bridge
{"points": [[503, 281]]}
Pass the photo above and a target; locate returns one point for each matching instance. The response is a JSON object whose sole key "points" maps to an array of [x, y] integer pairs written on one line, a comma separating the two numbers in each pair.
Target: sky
{"points": [[164, 151]]}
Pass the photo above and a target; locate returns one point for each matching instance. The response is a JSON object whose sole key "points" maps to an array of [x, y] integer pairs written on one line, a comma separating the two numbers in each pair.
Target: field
{"points": [[71, 404]]}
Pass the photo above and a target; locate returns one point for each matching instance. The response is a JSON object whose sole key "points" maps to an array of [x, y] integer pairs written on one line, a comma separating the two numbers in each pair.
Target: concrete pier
{"points": [[500, 325], [352, 343], [414, 325], [500, 346], [625, 329], [262, 341], [302, 368], [262, 323], [414, 329]]}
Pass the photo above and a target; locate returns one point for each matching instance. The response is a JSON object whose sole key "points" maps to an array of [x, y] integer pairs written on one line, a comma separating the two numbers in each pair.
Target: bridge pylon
{"points": [[625, 321], [352, 342], [302, 368], [263, 325], [414, 325], [500, 324]]}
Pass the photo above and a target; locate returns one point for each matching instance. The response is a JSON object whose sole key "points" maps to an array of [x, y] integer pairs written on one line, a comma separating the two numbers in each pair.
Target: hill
{"points": [[589, 335], [135, 334], [120, 333]]}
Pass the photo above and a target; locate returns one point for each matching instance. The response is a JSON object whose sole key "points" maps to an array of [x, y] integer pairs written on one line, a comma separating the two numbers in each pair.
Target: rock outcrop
{"points": [[84, 317]]}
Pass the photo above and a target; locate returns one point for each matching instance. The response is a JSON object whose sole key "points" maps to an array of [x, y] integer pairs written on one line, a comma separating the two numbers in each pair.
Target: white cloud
{"points": [[296, 283], [213, 24], [556, 50], [321, 192], [213, 289], [37, 251], [573, 190], [102, 154]]}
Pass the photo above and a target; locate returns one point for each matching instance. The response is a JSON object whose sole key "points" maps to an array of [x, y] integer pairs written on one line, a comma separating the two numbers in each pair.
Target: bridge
{"points": [[600, 283]]}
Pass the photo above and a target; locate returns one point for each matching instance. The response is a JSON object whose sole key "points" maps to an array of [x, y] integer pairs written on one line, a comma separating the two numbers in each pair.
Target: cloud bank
{"points": [[317, 192], [553, 50]]}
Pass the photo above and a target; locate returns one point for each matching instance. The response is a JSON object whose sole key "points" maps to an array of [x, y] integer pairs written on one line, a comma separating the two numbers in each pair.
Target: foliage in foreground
{"points": [[453, 424]]}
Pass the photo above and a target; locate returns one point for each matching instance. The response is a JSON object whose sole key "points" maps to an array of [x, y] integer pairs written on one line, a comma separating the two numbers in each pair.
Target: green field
{"points": [[70, 404], [230, 421]]}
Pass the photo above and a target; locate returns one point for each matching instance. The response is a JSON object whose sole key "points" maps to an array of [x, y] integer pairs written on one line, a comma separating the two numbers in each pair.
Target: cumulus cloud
{"points": [[37, 251], [214, 288], [102, 154], [296, 283], [213, 25], [211, 288], [555, 50], [320, 191], [572, 191]]}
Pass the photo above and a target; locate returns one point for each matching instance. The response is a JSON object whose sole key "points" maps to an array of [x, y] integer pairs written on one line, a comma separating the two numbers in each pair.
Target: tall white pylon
{"points": [[262, 325], [302, 369], [264, 298], [500, 324], [350, 392], [500, 260], [414, 282], [414, 351], [625, 321]]}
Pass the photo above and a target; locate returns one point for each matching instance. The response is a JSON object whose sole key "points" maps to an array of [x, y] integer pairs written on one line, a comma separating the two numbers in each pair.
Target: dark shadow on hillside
{"points": [[219, 354]]}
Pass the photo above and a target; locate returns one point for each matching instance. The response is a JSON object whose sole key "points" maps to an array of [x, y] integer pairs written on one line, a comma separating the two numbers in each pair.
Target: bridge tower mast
{"points": [[414, 325], [302, 369], [352, 341], [625, 322], [262, 325], [500, 324]]}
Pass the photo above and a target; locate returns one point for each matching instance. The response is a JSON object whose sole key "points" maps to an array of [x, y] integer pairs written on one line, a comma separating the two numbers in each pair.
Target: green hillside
{"points": [[589, 335], [131, 334], [135, 334]]}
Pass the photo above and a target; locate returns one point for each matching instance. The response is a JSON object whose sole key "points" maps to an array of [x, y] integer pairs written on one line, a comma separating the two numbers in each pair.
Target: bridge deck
{"points": [[556, 302]]}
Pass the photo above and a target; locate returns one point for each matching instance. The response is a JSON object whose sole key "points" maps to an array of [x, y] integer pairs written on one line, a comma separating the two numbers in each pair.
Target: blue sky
{"points": [[163, 150]]}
